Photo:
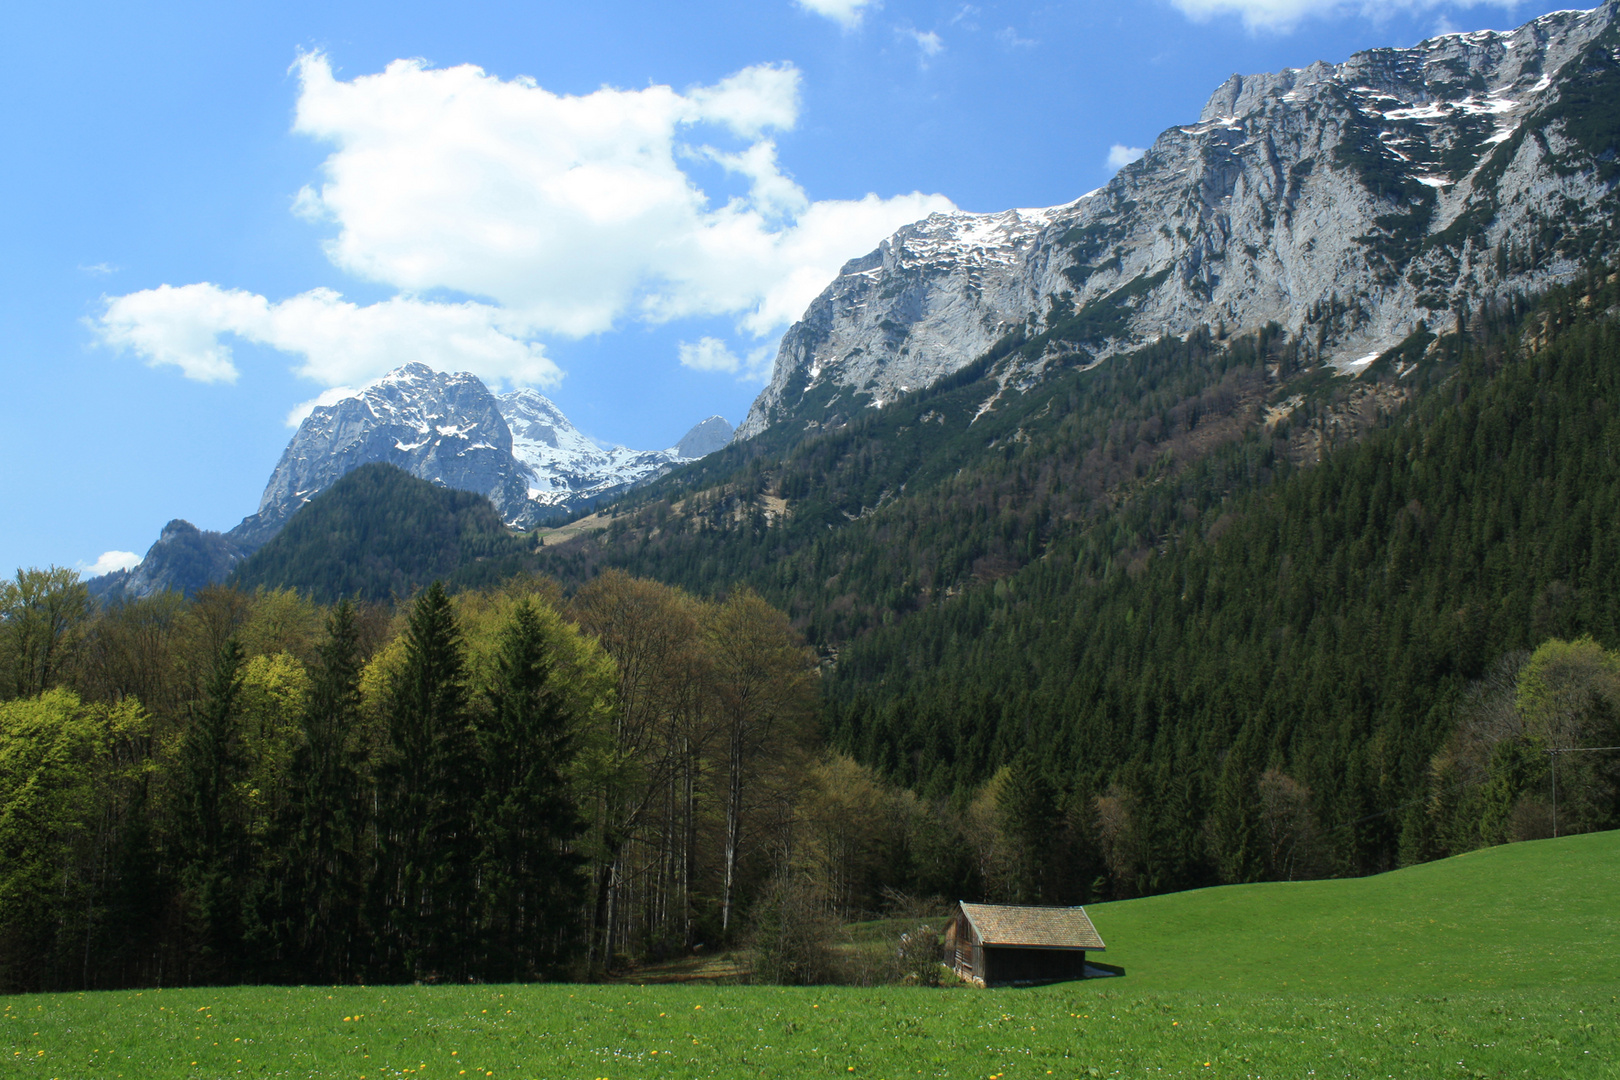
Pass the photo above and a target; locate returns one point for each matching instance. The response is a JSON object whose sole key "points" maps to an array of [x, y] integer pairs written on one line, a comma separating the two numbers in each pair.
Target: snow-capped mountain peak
{"points": [[448, 428], [566, 467]]}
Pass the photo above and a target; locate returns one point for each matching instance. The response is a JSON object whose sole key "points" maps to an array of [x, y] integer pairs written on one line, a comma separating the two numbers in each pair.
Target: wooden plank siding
{"points": [[1003, 945]]}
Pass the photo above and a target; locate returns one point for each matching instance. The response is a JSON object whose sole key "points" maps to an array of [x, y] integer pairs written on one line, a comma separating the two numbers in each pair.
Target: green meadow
{"points": [[1501, 963]]}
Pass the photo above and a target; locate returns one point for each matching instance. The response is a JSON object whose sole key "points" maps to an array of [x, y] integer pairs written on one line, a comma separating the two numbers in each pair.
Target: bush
{"points": [[792, 932]]}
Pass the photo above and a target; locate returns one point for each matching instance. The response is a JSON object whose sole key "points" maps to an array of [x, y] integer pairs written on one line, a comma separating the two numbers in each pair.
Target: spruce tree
{"points": [[422, 896], [213, 843], [316, 881], [1033, 828], [527, 821]]}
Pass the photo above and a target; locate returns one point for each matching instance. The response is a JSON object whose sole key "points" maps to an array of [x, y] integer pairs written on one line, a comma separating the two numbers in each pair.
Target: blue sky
{"points": [[213, 214]]}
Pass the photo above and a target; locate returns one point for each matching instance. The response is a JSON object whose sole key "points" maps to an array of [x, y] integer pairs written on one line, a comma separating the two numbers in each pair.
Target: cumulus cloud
{"points": [[110, 562], [1120, 155], [712, 354], [1285, 14], [847, 13], [573, 212], [557, 215], [340, 343]]}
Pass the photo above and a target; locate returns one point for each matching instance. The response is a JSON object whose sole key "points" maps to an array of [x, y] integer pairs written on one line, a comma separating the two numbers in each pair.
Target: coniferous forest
{"points": [[1196, 615]]}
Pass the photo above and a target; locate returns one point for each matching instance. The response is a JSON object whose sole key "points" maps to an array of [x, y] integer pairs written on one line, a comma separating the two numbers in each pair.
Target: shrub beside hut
{"points": [[1007, 945]]}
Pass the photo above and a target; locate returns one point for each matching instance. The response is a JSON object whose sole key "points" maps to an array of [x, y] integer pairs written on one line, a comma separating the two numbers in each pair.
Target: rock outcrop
{"points": [[183, 560]]}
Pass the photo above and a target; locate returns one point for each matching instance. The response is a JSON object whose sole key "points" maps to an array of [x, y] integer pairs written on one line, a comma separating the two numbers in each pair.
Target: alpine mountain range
{"points": [[1351, 205]]}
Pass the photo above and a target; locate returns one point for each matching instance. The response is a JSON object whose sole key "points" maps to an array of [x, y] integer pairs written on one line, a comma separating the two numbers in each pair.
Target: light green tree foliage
{"points": [[271, 702], [765, 693], [641, 773], [1568, 697], [583, 672], [852, 829], [375, 677], [65, 767], [41, 614], [1568, 693], [135, 650], [281, 621], [1495, 775], [981, 827]]}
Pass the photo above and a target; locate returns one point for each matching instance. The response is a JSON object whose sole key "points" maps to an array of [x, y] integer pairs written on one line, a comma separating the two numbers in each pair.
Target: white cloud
{"points": [[557, 215], [109, 562], [753, 100], [1120, 155], [100, 269], [712, 354], [847, 13], [299, 413], [1285, 14], [573, 212], [181, 327], [340, 343], [929, 43]]}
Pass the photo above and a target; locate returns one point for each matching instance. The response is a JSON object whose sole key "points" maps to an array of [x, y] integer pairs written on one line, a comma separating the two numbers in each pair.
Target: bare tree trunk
{"points": [[688, 844], [608, 937], [734, 783]]}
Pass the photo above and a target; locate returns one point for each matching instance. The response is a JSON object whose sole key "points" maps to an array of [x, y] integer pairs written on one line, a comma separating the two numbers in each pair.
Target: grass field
{"points": [[1503, 963]]}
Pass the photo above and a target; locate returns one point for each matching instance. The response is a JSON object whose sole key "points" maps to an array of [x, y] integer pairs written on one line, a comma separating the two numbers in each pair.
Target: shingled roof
{"points": [[1010, 926]]}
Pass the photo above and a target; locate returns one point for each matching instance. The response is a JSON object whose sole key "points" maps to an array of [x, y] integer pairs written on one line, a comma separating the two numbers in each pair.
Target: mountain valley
{"points": [[1214, 527]]}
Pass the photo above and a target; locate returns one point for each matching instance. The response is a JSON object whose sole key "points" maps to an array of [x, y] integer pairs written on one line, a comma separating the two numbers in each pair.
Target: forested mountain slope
{"points": [[1147, 593], [1330, 627], [381, 534], [902, 507]]}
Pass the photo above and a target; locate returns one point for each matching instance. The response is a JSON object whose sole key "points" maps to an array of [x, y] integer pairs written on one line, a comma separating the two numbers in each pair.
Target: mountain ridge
{"points": [[1345, 203]]}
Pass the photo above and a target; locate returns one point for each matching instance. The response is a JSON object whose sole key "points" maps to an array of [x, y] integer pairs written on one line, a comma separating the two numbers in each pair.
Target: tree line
{"points": [[493, 785]]}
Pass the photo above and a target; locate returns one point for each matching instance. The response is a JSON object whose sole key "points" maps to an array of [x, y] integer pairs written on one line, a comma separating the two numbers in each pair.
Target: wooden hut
{"points": [[1004, 945]]}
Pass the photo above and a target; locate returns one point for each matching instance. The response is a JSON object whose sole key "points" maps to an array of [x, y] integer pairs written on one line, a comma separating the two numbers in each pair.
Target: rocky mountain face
{"points": [[449, 429], [184, 559], [704, 439], [444, 428], [1345, 203], [518, 449]]}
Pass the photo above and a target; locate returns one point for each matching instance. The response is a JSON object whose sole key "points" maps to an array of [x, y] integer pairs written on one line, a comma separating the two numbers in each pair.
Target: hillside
{"points": [[1330, 627], [1126, 567], [380, 534], [1517, 917]]}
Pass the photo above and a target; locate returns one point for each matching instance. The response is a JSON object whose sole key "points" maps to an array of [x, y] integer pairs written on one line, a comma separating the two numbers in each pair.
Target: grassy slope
{"points": [[1520, 916], [1518, 974]]}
